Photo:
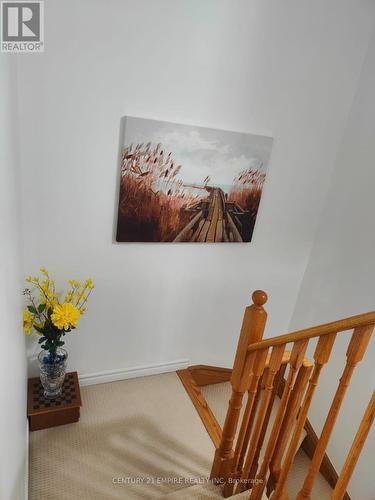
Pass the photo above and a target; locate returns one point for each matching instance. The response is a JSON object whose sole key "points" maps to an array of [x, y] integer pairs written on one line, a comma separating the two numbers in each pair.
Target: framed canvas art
{"points": [[180, 183]]}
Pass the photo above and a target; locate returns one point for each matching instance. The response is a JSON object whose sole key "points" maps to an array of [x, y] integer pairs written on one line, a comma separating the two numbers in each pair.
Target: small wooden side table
{"points": [[44, 413]]}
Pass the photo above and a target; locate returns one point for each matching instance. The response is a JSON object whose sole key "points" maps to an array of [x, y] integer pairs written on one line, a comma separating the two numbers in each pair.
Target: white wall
{"points": [[12, 352], [285, 68], [340, 278]]}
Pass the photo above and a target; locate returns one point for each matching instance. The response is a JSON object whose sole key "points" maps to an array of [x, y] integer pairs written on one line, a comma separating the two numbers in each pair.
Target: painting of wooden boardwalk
{"points": [[180, 183]]}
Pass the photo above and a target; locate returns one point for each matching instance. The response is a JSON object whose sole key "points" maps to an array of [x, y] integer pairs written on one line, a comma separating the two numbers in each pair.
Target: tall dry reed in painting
{"points": [[246, 193], [153, 200]]}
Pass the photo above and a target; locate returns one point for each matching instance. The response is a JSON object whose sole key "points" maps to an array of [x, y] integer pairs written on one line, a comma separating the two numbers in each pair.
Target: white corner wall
{"points": [[13, 421], [340, 277], [288, 69]]}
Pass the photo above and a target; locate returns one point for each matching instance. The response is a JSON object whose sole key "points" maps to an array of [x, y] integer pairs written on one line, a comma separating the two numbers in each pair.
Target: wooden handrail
{"points": [[341, 325]]}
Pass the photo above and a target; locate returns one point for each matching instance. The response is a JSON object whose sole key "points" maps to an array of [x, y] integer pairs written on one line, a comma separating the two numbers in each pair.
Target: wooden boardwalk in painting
{"points": [[215, 220]]}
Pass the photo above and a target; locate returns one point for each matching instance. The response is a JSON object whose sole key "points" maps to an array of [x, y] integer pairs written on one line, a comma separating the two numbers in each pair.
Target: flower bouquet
{"points": [[51, 318]]}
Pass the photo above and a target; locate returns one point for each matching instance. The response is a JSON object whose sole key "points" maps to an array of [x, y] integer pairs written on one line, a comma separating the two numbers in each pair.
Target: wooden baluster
{"points": [[303, 377], [277, 382], [321, 357], [247, 420], [286, 427], [356, 350], [242, 448], [253, 325], [296, 360], [288, 423], [274, 366], [355, 450]]}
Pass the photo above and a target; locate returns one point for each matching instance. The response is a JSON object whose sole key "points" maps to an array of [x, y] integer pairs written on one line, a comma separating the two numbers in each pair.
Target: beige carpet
{"points": [[137, 439]]}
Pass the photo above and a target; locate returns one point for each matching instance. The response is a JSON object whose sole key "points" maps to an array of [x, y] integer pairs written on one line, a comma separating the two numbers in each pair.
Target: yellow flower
{"points": [[89, 283], [65, 316], [27, 321], [44, 271], [47, 293]]}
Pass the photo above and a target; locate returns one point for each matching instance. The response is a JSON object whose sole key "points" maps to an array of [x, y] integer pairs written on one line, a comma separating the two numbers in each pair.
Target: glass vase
{"points": [[52, 371]]}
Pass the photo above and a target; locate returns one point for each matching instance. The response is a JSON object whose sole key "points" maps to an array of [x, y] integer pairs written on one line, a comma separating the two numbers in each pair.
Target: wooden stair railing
{"points": [[356, 350], [258, 369]]}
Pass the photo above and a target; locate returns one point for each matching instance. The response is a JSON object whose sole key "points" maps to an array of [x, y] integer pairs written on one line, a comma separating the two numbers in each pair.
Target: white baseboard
{"points": [[27, 460], [138, 371]]}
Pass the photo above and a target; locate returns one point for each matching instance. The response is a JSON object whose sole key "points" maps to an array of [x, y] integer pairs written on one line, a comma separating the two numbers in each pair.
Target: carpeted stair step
{"points": [[321, 491]]}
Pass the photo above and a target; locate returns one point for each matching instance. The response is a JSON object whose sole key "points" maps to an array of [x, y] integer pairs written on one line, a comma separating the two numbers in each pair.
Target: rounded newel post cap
{"points": [[259, 298]]}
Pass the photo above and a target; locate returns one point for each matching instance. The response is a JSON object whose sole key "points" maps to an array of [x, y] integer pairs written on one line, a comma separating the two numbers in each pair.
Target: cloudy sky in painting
{"points": [[202, 151]]}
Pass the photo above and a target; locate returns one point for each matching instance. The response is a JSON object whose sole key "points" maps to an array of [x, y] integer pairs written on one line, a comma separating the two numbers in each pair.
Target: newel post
{"points": [[252, 329]]}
